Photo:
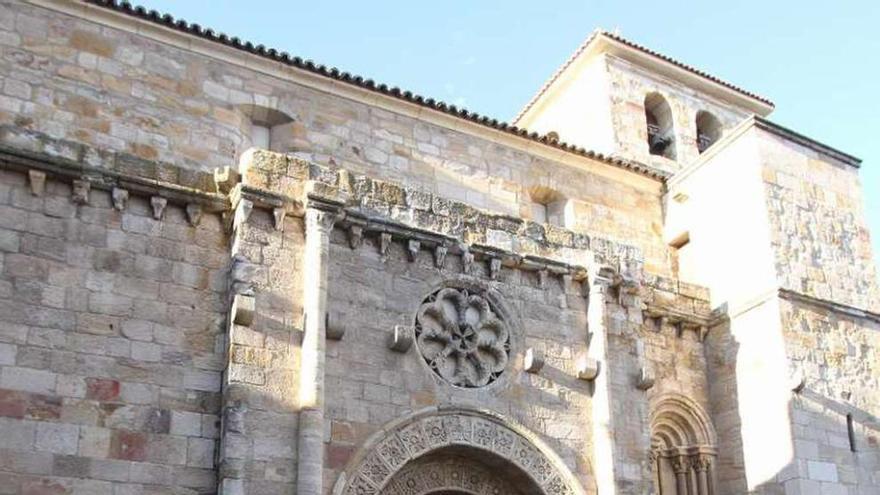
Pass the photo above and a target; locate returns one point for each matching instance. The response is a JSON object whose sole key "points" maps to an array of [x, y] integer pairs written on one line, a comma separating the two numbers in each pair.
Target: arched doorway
{"points": [[455, 452], [682, 447]]}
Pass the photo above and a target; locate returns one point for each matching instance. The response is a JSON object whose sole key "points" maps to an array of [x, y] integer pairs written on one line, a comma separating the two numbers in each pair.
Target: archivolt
{"points": [[679, 421], [387, 456]]}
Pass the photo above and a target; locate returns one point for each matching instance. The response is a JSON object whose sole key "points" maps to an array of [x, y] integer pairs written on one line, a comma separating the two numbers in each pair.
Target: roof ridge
{"points": [[631, 44], [168, 21]]}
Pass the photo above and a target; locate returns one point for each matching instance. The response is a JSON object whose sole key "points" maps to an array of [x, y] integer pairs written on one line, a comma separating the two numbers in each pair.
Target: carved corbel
{"points": [[120, 198], [494, 268], [542, 278], [645, 378], [440, 251], [533, 361], [81, 190], [412, 249], [278, 214], [242, 213], [334, 326], [355, 236], [467, 259], [158, 203], [37, 180], [194, 214], [401, 338], [587, 368], [384, 243], [243, 309]]}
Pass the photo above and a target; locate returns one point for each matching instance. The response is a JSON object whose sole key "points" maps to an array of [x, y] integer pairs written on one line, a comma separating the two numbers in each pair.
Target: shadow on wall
{"points": [[833, 445]]}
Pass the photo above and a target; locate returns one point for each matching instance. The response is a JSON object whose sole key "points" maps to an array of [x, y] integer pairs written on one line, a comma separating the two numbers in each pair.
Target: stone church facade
{"points": [[224, 269]]}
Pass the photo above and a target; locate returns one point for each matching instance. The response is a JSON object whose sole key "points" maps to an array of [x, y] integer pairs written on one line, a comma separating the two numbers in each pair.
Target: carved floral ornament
{"points": [[462, 338], [449, 451]]}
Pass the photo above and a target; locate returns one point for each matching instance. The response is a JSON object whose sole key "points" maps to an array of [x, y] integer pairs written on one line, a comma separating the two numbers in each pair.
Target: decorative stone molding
{"points": [[334, 326], [587, 368], [81, 190], [412, 249], [278, 215], [533, 360], [158, 203], [386, 462], [355, 235], [440, 251], [401, 338], [194, 214], [448, 475], [384, 243], [242, 212], [462, 337], [467, 259], [243, 309], [120, 198], [494, 268], [37, 181]]}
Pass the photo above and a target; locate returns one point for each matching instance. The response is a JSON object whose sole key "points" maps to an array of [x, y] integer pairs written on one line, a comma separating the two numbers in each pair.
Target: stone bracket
{"points": [[682, 321], [401, 338], [334, 326], [81, 190], [120, 198], [37, 180], [587, 368], [533, 361], [158, 203], [243, 309]]}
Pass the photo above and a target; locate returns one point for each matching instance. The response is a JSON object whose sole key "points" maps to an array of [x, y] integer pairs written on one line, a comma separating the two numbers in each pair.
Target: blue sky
{"points": [[818, 61]]}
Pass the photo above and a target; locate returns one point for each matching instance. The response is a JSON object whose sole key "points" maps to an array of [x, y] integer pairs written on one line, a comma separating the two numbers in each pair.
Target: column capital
{"points": [[320, 219], [681, 464]]}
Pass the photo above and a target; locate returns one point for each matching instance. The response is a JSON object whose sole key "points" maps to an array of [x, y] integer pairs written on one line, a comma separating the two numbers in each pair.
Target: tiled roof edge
{"points": [[181, 25], [643, 49], [809, 142]]}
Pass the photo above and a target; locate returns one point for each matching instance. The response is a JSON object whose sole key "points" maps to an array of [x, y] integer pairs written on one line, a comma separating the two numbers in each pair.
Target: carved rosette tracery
{"points": [[411, 459], [462, 338]]}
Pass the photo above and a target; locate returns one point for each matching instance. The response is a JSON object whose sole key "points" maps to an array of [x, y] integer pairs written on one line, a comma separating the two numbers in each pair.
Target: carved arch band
{"points": [[455, 451]]}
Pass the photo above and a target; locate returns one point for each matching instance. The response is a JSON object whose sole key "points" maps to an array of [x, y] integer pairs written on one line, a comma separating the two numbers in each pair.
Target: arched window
{"points": [[661, 132], [708, 130], [683, 447]]}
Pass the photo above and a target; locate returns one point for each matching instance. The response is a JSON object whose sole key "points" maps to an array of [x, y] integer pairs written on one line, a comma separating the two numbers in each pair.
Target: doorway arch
{"points": [[455, 451]]}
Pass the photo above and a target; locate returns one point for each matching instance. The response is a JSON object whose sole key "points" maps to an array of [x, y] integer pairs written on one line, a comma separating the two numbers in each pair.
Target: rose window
{"points": [[461, 338]]}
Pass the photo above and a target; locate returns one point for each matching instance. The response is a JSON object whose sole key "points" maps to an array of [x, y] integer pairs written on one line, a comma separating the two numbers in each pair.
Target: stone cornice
{"points": [[113, 171], [357, 89], [833, 306]]}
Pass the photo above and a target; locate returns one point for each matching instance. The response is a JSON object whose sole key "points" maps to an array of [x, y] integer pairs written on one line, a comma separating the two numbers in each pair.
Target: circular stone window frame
{"points": [[502, 310]]}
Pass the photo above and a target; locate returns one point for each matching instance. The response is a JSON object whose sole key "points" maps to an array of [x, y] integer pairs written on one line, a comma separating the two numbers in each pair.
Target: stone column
{"points": [[603, 429], [681, 467], [702, 465], [310, 452]]}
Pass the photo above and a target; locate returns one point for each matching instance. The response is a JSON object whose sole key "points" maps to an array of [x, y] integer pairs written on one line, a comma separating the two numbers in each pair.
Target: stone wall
{"points": [[838, 358], [111, 343], [817, 222], [105, 87]]}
